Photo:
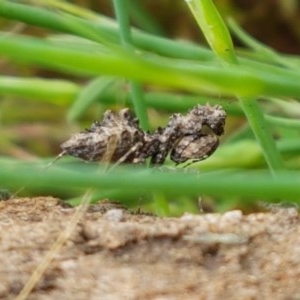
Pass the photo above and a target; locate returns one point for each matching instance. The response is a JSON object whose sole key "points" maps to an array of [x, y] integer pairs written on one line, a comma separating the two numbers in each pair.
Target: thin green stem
{"points": [[218, 37], [137, 95], [63, 92], [89, 94], [234, 79], [243, 184], [267, 52], [214, 29], [143, 18], [44, 18], [284, 122], [262, 133], [53, 91], [121, 10]]}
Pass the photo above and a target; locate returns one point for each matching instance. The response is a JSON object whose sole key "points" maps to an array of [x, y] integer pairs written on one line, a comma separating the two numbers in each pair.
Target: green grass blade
{"points": [[218, 37], [88, 95], [107, 27], [50, 90], [267, 52], [254, 185], [214, 29], [238, 80], [136, 90]]}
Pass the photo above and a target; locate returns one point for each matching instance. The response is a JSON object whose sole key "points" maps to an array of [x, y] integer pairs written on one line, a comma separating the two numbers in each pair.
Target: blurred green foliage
{"points": [[63, 65]]}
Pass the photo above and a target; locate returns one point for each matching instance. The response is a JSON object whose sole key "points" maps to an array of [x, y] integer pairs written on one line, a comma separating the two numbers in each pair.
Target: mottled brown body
{"points": [[200, 128], [109, 140], [194, 147], [118, 138]]}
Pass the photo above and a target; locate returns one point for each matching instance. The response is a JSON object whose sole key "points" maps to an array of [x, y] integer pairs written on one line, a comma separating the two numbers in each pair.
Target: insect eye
{"points": [[125, 114]]}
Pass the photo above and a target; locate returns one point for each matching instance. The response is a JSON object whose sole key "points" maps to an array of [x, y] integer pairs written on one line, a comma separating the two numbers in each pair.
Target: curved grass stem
{"points": [[218, 37]]}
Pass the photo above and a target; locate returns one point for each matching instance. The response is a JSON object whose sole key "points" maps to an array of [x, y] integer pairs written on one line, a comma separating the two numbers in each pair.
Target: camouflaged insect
{"points": [[118, 138]]}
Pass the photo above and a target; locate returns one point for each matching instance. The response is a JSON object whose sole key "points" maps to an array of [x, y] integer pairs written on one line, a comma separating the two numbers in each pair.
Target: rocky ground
{"points": [[115, 254]]}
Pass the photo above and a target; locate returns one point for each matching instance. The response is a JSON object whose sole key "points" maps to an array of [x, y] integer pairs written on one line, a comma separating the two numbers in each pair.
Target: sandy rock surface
{"points": [[114, 254]]}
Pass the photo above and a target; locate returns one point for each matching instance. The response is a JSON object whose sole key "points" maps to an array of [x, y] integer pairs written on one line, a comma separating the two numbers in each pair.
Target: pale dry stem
{"points": [[55, 248]]}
